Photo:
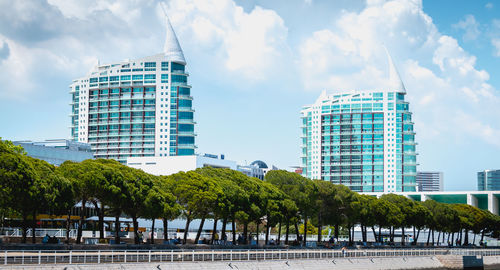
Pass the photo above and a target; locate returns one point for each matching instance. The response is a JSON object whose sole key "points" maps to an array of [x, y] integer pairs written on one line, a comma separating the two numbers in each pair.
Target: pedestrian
{"points": [[216, 238]]}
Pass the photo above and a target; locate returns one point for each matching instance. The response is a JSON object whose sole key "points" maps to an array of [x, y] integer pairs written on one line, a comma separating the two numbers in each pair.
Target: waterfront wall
{"points": [[320, 264]]}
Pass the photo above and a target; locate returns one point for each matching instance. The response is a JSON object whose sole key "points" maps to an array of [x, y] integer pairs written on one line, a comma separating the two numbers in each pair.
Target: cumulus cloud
{"points": [[58, 41], [470, 27], [442, 79], [496, 43], [495, 36], [489, 5], [250, 43], [4, 51]]}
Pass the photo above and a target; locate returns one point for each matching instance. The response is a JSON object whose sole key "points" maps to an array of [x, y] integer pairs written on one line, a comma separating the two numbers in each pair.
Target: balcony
{"points": [[180, 72], [186, 133]]}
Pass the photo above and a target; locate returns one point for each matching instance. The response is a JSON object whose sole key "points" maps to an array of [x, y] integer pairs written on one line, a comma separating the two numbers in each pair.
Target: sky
{"points": [[253, 64]]}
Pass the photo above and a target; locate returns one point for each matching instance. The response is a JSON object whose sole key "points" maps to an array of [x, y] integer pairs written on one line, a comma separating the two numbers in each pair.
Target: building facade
{"points": [[56, 152], [174, 164], [362, 139], [136, 108], [256, 169], [430, 181], [488, 180]]}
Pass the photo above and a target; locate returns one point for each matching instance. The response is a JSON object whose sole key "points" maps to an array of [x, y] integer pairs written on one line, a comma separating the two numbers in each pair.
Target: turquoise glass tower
{"points": [[136, 108], [362, 139]]}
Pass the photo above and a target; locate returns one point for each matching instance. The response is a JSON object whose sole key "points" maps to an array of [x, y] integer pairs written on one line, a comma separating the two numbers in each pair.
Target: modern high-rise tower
{"points": [[136, 108], [361, 139]]}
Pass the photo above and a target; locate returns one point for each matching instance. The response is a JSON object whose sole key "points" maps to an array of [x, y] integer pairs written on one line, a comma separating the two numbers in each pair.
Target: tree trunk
{"points": [[267, 233], [214, 231], [482, 235], [305, 231], [100, 214], [452, 238], [403, 236], [223, 233], [439, 237], [349, 236], [380, 234], [257, 233], [33, 227], [466, 238], [233, 228], [461, 236], [136, 229], [198, 234], [374, 234], [365, 234], [353, 239], [297, 230], [80, 222], [25, 228], [428, 236], [287, 231], [432, 237], [474, 239], [188, 220], [117, 229], [336, 232], [392, 230], [278, 242], [165, 229], [245, 234], [152, 241], [416, 238], [319, 227], [68, 225]]}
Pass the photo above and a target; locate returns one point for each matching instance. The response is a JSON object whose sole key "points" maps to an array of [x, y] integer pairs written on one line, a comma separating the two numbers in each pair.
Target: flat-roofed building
{"points": [[488, 180], [430, 181], [175, 164], [57, 151]]}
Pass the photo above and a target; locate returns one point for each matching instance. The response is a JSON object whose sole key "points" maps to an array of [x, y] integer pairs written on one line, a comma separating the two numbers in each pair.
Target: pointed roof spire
{"points": [[395, 82], [172, 48]]}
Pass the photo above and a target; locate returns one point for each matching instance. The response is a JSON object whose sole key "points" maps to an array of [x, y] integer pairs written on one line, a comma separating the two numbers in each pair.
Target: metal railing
{"points": [[24, 257], [17, 232]]}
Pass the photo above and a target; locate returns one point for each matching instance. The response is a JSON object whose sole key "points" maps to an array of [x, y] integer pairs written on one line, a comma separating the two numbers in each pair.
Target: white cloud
{"points": [[249, 43], [489, 5], [496, 43], [441, 78], [470, 27]]}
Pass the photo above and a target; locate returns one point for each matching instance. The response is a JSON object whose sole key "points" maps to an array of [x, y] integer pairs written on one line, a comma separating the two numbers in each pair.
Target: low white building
{"points": [[174, 164]]}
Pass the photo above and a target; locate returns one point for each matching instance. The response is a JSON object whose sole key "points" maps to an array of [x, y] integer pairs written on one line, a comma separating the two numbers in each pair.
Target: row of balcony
{"points": [[103, 122], [122, 109], [116, 133]]}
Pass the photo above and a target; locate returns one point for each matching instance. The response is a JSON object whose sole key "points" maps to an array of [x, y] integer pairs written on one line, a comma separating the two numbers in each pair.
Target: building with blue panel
{"points": [[362, 139], [136, 108], [488, 180], [56, 152]]}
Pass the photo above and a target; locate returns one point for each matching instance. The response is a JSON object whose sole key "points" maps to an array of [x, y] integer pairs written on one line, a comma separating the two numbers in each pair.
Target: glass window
{"points": [[178, 67]]}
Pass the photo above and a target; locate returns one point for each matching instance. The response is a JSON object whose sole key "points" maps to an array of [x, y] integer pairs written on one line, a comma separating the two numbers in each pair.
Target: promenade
{"points": [[194, 259]]}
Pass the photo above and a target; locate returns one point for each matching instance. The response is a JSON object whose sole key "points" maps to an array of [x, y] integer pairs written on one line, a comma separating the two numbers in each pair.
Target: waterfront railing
{"points": [[27, 257]]}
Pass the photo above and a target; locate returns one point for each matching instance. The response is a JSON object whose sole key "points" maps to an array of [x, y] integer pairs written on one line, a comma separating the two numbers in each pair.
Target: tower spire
{"points": [[172, 48], [395, 82]]}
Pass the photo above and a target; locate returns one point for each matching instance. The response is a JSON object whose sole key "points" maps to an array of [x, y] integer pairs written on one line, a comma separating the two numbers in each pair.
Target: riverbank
{"points": [[388, 263]]}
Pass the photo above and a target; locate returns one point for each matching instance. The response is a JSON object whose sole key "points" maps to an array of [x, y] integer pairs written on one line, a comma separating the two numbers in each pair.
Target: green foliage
{"points": [[29, 186]]}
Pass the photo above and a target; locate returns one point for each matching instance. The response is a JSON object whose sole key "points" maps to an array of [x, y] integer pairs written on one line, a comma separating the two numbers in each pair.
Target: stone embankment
{"points": [[389, 263]]}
